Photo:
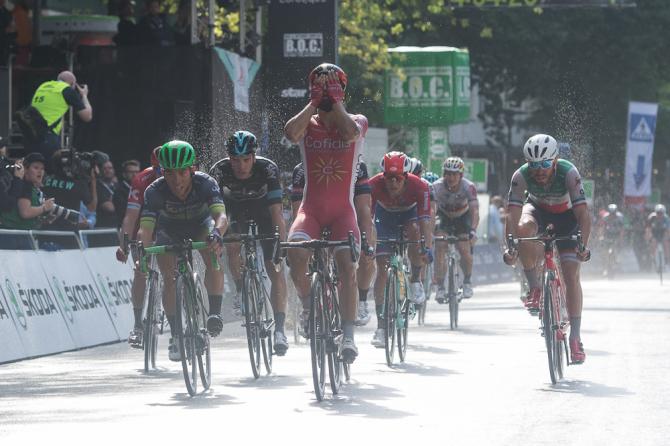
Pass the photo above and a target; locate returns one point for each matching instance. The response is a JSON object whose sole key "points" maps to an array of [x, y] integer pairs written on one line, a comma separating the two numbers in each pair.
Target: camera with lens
{"points": [[74, 165], [69, 215]]}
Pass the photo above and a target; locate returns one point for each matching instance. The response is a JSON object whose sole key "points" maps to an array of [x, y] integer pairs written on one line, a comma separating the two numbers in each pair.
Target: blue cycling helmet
{"points": [[241, 143], [431, 177]]}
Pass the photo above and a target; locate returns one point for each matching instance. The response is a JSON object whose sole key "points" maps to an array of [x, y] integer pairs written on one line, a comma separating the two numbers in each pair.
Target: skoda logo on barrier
{"points": [[110, 302], [61, 297], [18, 310]]}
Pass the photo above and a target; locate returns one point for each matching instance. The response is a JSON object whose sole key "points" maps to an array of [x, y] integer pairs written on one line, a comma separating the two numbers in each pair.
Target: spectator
{"points": [[42, 121], [127, 34], [182, 27], [122, 189], [11, 176], [495, 223], [153, 28], [24, 30], [31, 204], [72, 182], [105, 213], [108, 174]]}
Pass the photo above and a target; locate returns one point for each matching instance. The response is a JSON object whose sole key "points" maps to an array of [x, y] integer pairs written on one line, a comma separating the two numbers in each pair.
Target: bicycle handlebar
{"points": [[450, 239], [174, 248], [549, 235], [314, 244]]}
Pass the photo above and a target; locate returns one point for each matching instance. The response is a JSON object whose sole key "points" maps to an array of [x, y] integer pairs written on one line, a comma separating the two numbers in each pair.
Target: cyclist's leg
{"points": [[416, 259], [167, 265], [386, 227], [439, 263], [530, 253], [304, 227], [462, 229], [213, 278], [364, 275], [137, 296]]}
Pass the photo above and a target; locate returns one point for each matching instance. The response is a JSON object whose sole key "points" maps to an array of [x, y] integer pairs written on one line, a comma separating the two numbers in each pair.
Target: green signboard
{"points": [[589, 190], [427, 86], [477, 171]]}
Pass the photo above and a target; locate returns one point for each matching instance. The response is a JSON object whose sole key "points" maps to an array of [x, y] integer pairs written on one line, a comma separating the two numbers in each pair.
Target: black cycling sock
{"points": [[280, 317], [416, 273], [215, 303], [348, 329], [380, 316], [138, 317], [575, 327], [531, 276], [467, 278], [172, 320], [363, 295]]}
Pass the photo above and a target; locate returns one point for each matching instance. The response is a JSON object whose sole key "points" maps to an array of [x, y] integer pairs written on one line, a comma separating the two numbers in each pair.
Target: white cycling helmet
{"points": [[612, 208], [540, 147], [659, 209], [453, 164]]}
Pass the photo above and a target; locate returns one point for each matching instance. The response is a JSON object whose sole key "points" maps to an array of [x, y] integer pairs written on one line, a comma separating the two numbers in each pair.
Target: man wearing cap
{"points": [[51, 101], [31, 204]]}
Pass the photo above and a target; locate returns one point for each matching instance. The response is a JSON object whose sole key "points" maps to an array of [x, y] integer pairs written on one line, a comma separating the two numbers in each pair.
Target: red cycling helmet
{"points": [[154, 157], [326, 68], [396, 163]]}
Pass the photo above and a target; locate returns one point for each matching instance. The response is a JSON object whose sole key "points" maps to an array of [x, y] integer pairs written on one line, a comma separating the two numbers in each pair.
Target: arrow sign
{"points": [[639, 173]]}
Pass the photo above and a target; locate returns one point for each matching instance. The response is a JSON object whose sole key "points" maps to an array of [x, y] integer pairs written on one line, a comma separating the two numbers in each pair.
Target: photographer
{"points": [[31, 204], [42, 121], [73, 182], [11, 175]]}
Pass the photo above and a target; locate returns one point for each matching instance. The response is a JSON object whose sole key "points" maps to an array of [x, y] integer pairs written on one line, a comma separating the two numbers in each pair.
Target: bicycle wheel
{"points": [[390, 301], [317, 337], [252, 321], [266, 326], [403, 325], [334, 334], [203, 347], [452, 294], [186, 332], [548, 327], [151, 323]]}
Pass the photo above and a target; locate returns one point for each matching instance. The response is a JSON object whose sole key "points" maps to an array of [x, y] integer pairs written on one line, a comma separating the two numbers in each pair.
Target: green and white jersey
{"points": [[563, 192]]}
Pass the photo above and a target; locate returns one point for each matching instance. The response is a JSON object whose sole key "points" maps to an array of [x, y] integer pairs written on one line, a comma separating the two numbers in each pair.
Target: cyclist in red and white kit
{"points": [[130, 226], [330, 140]]}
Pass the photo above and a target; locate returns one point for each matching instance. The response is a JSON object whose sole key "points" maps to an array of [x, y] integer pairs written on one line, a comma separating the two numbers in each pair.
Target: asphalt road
{"points": [[485, 384]]}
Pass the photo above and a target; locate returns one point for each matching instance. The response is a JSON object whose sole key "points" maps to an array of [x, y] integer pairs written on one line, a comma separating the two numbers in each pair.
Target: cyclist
{"points": [[251, 191], [399, 198], [458, 212], [330, 140], [362, 200], [658, 228], [184, 204], [555, 196], [130, 226]]}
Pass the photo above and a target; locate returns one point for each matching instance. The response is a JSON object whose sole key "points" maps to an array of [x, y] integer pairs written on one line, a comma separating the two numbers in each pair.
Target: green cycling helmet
{"points": [[176, 155]]}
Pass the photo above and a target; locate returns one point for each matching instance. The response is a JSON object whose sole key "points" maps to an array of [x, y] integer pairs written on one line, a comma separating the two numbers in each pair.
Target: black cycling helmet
{"points": [[241, 143]]}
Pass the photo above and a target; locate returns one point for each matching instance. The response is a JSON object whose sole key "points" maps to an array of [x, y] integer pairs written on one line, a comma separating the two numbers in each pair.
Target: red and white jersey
{"points": [[330, 165], [416, 193], [137, 187]]}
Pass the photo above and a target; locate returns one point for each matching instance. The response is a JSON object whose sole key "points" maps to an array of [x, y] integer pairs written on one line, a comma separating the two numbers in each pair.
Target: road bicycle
{"points": [[325, 323], [397, 309], [255, 299], [554, 319], [190, 332], [452, 278], [153, 316]]}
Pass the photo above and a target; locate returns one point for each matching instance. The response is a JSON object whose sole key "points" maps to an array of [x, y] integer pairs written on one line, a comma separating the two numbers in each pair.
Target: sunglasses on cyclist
{"points": [[394, 177], [544, 164]]}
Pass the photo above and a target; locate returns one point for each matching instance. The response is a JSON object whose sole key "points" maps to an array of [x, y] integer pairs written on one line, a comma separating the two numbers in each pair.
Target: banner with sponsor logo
{"points": [[82, 304], [34, 309], [302, 34], [242, 72], [639, 148], [114, 281]]}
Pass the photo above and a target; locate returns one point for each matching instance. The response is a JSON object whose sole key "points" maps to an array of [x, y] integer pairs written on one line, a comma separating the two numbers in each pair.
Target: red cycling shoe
{"points": [[577, 354], [532, 302]]}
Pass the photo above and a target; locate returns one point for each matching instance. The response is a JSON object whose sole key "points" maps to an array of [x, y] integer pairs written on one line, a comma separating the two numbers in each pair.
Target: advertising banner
{"points": [[639, 148], [242, 72], [301, 35], [36, 312], [477, 171], [114, 281], [81, 303], [427, 86]]}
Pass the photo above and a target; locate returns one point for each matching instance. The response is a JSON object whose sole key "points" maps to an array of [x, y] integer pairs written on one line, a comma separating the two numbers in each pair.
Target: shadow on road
{"points": [[204, 399], [356, 399], [587, 388], [430, 349], [267, 382], [418, 368]]}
